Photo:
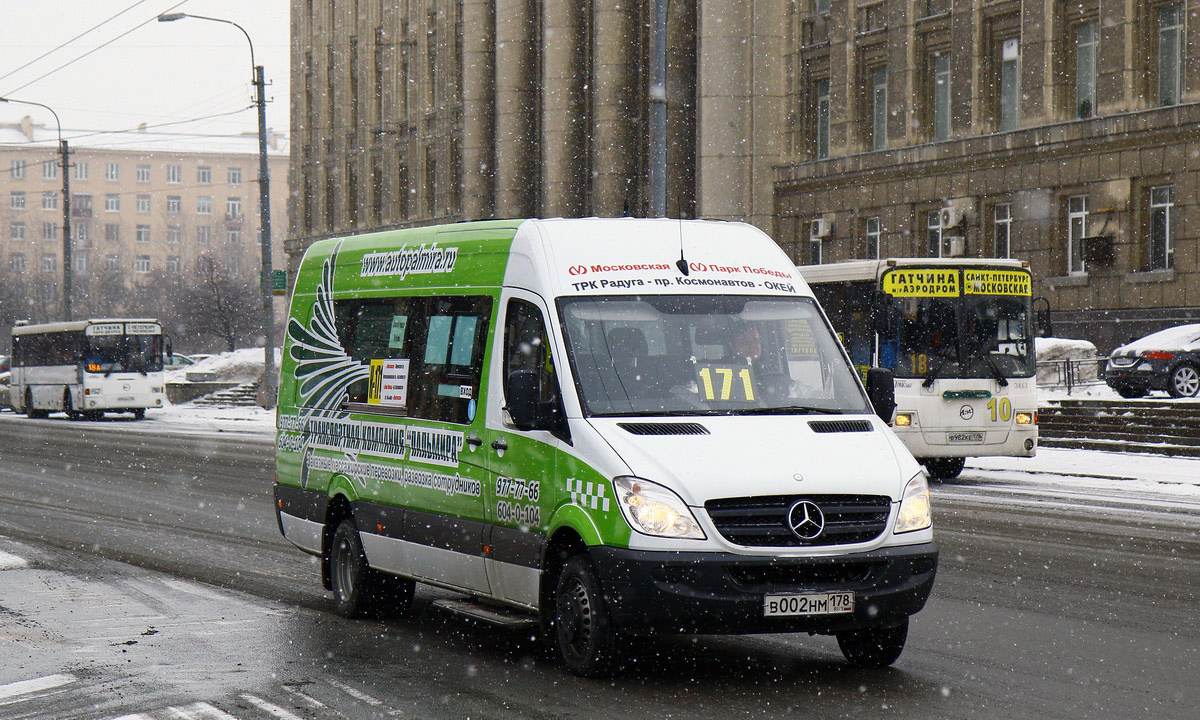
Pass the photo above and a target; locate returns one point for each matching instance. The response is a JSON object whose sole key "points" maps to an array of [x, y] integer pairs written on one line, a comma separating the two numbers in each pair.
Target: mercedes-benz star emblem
{"points": [[806, 520]]}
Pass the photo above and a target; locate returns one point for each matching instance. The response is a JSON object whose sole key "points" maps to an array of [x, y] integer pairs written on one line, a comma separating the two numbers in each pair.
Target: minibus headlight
{"points": [[652, 509], [914, 506]]}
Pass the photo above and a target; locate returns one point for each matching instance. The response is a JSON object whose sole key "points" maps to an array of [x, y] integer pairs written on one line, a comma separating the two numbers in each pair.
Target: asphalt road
{"points": [[158, 587]]}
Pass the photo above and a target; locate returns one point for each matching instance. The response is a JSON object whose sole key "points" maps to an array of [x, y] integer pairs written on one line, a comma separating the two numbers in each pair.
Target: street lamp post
{"points": [[264, 208], [64, 151]]}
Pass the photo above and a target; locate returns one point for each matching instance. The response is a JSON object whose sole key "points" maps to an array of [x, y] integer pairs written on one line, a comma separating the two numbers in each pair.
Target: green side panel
{"points": [[589, 505]]}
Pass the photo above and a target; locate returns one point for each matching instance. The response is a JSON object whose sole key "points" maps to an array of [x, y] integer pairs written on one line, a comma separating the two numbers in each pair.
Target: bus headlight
{"points": [[914, 511], [1024, 418], [652, 509], [903, 419]]}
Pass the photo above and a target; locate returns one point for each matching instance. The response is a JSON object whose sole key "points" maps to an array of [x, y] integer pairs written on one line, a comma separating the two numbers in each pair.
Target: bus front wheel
{"points": [[69, 406], [589, 643], [946, 468], [30, 410], [873, 647]]}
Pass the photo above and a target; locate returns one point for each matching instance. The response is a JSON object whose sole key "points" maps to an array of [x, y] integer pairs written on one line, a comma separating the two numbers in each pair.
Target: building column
{"points": [[564, 111], [615, 144], [479, 107], [517, 116]]}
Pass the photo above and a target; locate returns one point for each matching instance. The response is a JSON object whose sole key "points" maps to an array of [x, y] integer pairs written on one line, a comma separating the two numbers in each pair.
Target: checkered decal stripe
{"points": [[588, 495]]}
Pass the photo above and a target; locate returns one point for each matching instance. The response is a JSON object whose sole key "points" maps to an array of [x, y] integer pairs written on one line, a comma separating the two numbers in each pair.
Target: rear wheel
{"points": [[358, 589], [874, 647], [30, 410], [69, 406], [944, 468], [139, 414], [1185, 381], [1129, 393], [589, 643]]}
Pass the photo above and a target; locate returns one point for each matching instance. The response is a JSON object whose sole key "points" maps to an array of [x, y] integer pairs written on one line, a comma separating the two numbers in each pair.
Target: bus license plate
{"points": [[811, 604], [965, 437]]}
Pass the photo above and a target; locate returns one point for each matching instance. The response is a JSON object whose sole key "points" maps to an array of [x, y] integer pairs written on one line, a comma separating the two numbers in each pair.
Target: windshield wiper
{"points": [[1000, 379], [933, 372], [789, 410]]}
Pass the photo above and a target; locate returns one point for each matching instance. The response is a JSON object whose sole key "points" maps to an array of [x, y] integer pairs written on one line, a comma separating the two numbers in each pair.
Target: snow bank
{"points": [[240, 366], [1053, 354]]}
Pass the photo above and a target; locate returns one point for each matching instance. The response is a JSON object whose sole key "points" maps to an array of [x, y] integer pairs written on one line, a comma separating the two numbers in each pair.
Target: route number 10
{"points": [[1000, 408]]}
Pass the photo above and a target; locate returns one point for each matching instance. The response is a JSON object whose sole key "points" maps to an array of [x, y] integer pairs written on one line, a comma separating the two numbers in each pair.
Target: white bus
{"points": [[87, 367], [958, 334]]}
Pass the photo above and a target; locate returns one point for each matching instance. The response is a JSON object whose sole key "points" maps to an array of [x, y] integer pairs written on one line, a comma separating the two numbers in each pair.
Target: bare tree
{"points": [[220, 303]]}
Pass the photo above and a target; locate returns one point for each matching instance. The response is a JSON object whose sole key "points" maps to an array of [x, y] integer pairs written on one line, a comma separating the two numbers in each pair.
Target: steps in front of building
{"points": [[1147, 426], [241, 396]]}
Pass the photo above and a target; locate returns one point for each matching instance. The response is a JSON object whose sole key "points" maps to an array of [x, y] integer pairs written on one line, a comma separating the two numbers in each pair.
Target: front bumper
{"points": [[672, 592]]}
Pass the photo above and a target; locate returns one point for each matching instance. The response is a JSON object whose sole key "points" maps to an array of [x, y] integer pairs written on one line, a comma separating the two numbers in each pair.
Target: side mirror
{"points": [[170, 352], [1041, 318], [881, 389], [524, 408]]}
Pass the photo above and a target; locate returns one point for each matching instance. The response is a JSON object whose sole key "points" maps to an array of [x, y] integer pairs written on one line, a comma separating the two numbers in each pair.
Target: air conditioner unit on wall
{"points": [[952, 217], [955, 246], [818, 229]]}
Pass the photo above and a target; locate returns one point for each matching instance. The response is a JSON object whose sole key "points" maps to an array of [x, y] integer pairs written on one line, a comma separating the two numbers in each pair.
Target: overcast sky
{"points": [[158, 73]]}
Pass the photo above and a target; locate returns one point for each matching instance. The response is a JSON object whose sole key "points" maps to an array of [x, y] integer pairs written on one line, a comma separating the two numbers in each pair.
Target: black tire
{"points": [[139, 414], [588, 642], [358, 589], [1130, 393], [946, 468], [69, 407], [30, 411], [874, 647], [1184, 381]]}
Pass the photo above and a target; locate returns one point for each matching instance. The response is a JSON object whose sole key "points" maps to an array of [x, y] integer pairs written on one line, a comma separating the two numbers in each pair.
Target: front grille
{"points": [[762, 521], [666, 428]]}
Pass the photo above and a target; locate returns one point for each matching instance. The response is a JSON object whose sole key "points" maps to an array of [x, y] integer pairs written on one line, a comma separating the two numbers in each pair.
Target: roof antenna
{"points": [[681, 263]]}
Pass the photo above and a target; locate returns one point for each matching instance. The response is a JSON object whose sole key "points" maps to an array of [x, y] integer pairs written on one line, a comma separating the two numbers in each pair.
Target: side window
{"points": [[526, 347]]}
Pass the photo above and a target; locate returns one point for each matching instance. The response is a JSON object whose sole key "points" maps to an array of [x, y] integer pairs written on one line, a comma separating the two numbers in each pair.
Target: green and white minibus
{"points": [[88, 367], [958, 336], [615, 427]]}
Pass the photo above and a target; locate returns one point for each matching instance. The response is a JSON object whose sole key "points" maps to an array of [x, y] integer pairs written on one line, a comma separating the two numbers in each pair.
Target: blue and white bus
{"points": [[87, 367]]}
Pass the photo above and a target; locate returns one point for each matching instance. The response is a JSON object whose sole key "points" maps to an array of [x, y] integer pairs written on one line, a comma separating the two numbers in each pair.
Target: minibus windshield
{"points": [[706, 355]]}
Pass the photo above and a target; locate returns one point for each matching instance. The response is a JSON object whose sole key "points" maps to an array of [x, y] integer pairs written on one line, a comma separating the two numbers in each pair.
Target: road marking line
{"points": [[200, 710], [25, 687], [356, 694], [309, 700], [135, 716], [8, 561], [270, 708]]}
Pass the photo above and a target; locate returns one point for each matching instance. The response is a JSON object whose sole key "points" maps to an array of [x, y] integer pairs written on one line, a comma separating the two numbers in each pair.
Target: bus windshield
{"points": [[123, 353], [706, 355], [969, 336]]}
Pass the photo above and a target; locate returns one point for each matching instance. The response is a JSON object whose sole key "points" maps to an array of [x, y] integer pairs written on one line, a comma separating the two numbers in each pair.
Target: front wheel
{"points": [[30, 410], [946, 468], [589, 644], [358, 589], [1185, 381], [69, 406], [874, 647], [139, 414]]}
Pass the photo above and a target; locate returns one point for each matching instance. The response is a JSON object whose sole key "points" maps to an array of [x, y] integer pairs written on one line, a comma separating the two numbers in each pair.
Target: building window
{"points": [[1077, 216], [933, 225], [1002, 229], [204, 264], [204, 205], [112, 263], [1086, 39], [143, 233], [235, 176], [18, 169], [112, 203], [16, 230], [814, 243], [143, 204], [1170, 53], [48, 293], [174, 173], [112, 233], [80, 262], [821, 118], [49, 263], [822, 6], [142, 264], [233, 236], [49, 201], [1162, 227], [173, 234], [879, 107], [83, 236], [81, 205], [112, 171], [17, 263], [1010, 84], [174, 204], [49, 231], [81, 171], [203, 235], [204, 175], [50, 169], [234, 265], [874, 233], [173, 264], [941, 96], [16, 199], [233, 208], [143, 173]]}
